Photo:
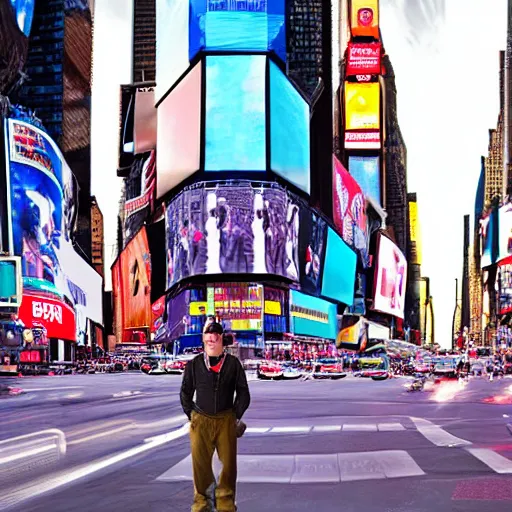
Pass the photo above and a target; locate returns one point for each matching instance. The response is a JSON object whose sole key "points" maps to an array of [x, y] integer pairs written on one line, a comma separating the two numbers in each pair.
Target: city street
{"points": [[120, 443]]}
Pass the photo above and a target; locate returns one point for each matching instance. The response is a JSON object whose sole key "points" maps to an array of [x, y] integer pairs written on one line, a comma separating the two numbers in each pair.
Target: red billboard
{"points": [[349, 207], [363, 59], [390, 278], [53, 315], [369, 139], [135, 281]]}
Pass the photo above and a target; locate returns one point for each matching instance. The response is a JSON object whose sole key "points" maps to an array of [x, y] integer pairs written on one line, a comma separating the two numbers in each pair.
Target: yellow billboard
{"points": [[362, 106], [414, 230], [364, 18]]}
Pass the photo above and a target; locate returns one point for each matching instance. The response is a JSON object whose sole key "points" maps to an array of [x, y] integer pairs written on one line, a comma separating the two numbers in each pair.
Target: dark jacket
{"points": [[215, 391]]}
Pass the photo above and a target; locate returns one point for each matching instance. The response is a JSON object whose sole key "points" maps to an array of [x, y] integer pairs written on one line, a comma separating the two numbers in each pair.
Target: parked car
{"points": [[328, 369], [270, 370]]}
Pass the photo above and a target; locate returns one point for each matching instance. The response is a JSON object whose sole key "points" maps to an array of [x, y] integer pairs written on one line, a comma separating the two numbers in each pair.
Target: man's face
{"points": [[213, 344]]}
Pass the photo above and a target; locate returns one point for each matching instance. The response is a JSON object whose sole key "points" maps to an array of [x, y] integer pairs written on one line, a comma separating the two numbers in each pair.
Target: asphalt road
{"points": [[120, 443]]}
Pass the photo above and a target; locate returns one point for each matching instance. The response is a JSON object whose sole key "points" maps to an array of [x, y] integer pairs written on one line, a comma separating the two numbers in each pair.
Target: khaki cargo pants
{"points": [[207, 434]]}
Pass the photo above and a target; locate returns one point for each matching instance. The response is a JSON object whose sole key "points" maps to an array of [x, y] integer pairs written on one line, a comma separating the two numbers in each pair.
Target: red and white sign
{"points": [[363, 59], [55, 316], [369, 139], [390, 278]]}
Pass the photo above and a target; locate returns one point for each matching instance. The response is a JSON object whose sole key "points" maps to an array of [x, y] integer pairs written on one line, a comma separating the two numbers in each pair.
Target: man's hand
{"points": [[241, 427]]}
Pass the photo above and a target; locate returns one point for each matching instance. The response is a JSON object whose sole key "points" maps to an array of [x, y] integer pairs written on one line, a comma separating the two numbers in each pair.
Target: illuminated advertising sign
{"points": [[505, 232], [157, 314], [366, 171], [252, 26], [232, 230], [339, 272], [364, 18], [390, 278], [239, 306], [362, 115], [349, 209], [489, 235], [353, 335], [11, 284], [311, 316], [505, 288], [135, 270], [55, 316], [42, 203], [414, 230], [363, 59]]}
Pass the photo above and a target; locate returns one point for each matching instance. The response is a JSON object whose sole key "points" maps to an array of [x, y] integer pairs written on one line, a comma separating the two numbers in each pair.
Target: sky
{"points": [[446, 59], [112, 66], [447, 77]]}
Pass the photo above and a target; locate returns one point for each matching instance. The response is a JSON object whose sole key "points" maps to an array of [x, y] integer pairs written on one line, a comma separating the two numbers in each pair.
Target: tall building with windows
{"points": [[144, 40], [58, 90]]}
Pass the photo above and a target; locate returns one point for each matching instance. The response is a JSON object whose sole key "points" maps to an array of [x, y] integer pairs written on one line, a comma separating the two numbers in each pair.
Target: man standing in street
{"points": [[215, 418]]}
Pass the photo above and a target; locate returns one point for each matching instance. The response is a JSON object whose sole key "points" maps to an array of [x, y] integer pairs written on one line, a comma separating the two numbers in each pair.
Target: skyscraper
{"points": [[144, 40], [58, 90], [507, 108]]}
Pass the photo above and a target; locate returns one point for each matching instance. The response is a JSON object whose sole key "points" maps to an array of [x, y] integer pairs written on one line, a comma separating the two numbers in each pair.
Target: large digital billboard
{"points": [[389, 279], [311, 316], [505, 232], [252, 25], [489, 238], [364, 18], [339, 272], [366, 171], [42, 204], [363, 59], [135, 267], [289, 131], [209, 25], [235, 130], [179, 133], [349, 209], [362, 115], [232, 230], [312, 241], [505, 288]]}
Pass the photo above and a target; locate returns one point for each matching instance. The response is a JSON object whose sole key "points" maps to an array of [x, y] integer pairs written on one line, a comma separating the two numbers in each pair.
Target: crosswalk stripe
{"points": [[313, 468], [494, 460], [365, 427], [257, 430], [436, 435], [327, 428], [390, 427], [279, 430]]}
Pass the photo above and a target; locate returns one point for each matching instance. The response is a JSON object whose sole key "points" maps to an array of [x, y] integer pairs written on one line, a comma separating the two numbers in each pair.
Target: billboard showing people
{"points": [[42, 205], [232, 230], [390, 278]]}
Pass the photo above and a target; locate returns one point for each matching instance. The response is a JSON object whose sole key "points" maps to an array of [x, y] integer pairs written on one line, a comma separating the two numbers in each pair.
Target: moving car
{"points": [[446, 367], [291, 371], [154, 364], [328, 369], [376, 368], [270, 370]]}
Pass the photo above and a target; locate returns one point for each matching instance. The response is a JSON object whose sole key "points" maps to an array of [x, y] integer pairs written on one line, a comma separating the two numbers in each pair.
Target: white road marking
{"points": [[257, 430], [52, 389], [364, 427], [494, 460], [29, 453], [12, 497], [100, 434], [327, 428], [317, 468], [436, 435], [282, 430], [390, 427]]}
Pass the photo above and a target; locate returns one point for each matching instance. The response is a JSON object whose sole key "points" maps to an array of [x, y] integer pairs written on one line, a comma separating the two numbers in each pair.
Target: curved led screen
{"points": [[43, 204], [339, 272], [289, 131], [232, 230], [179, 133], [252, 25], [235, 131], [505, 232]]}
